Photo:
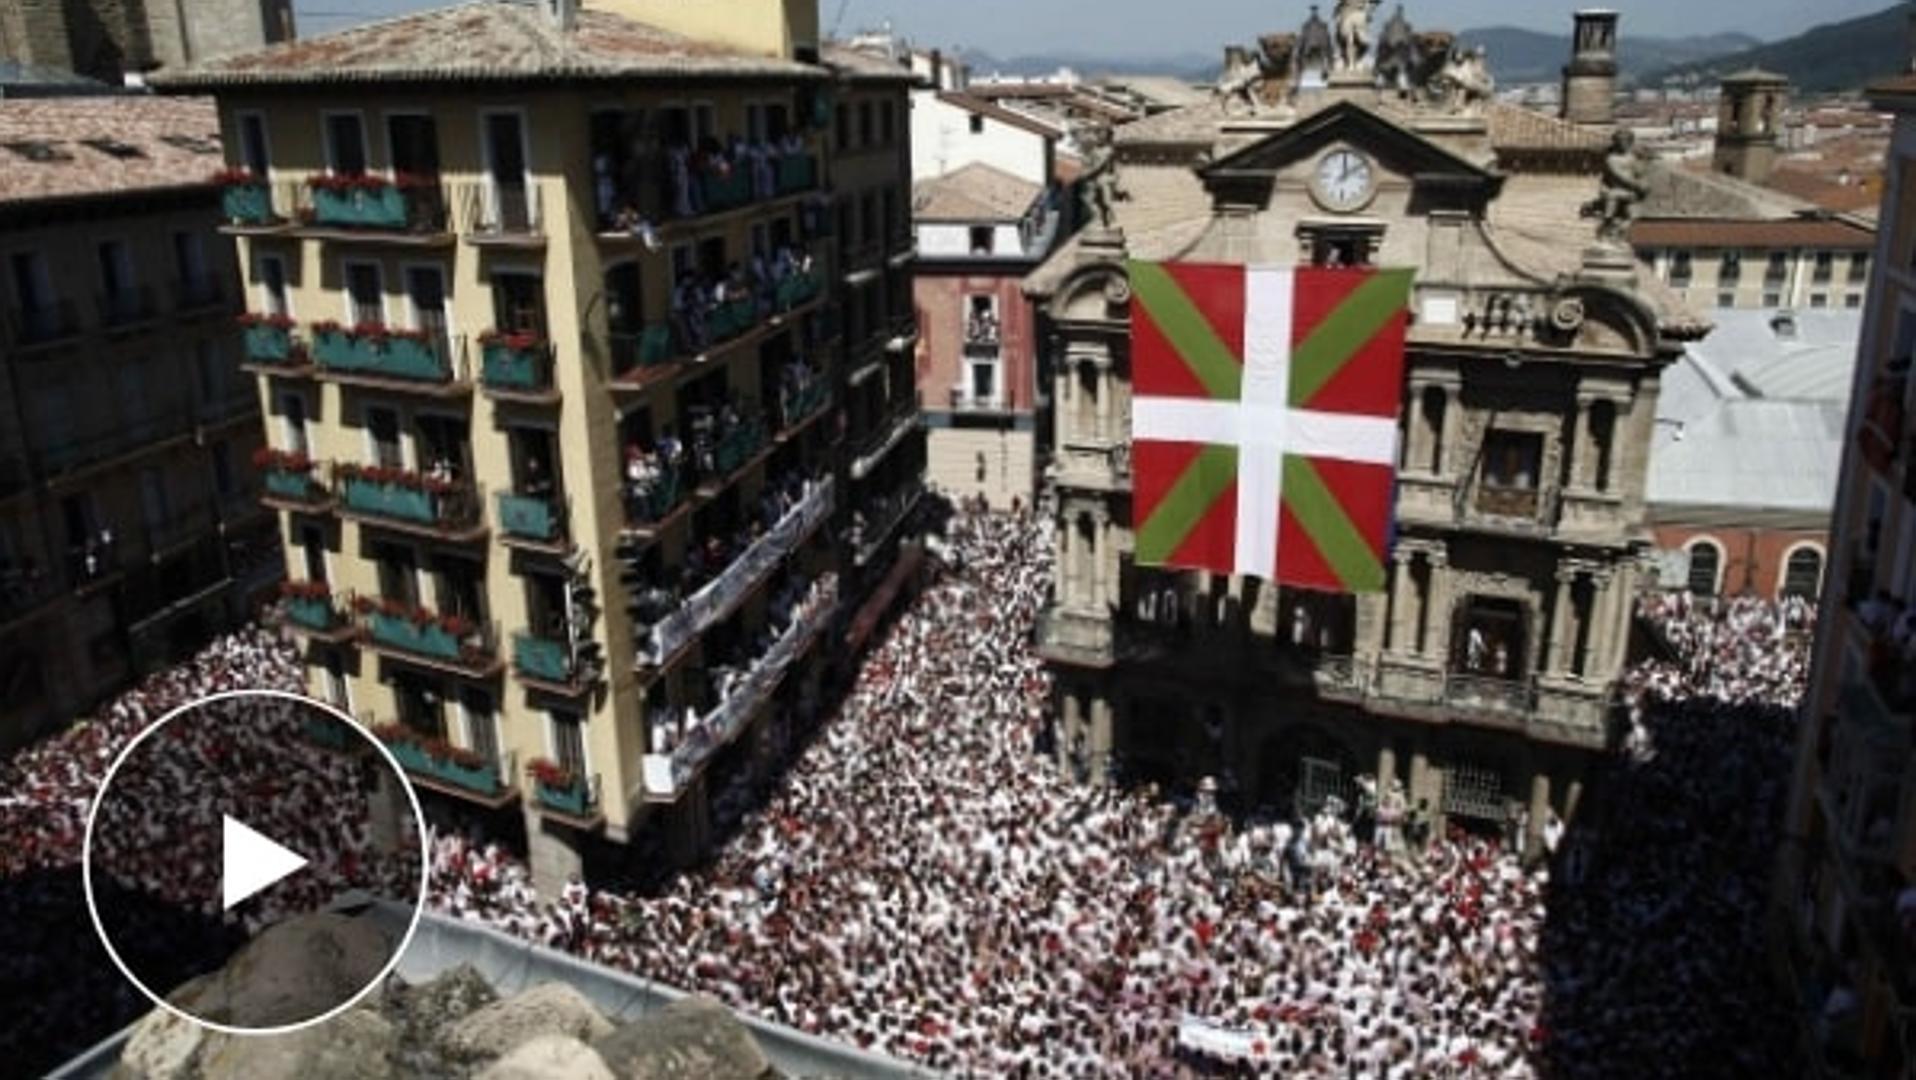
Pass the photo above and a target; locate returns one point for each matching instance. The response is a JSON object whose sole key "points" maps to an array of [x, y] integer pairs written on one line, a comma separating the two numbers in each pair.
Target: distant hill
{"points": [[1834, 56], [1524, 56], [1192, 67]]}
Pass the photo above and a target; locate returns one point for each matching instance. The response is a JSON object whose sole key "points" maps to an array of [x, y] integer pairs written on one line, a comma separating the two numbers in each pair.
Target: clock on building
{"points": [[1344, 180]]}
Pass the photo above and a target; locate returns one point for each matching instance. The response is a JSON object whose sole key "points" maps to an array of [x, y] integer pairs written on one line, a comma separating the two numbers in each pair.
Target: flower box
{"points": [[796, 291], [414, 758], [725, 190], [426, 639], [808, 399], [327, 732], [288, 484], [369, 207], [574, 799], [509, 367], [268, 344], [527, 517], [312, 613], [736, 448], [541, 658], [655, 345], [247, 204], [731, 319], [390, 500], [399, 355], [658, 503]]}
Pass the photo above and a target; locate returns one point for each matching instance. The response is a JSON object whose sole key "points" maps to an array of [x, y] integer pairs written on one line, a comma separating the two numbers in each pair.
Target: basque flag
{"points": [[1264, 404]]}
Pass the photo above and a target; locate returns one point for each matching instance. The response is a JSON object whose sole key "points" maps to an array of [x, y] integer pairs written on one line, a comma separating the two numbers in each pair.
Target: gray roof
{"points": [[486, 40], [1753, 420]]}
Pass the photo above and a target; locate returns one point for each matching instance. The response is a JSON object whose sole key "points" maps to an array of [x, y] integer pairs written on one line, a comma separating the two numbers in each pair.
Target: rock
{"points": [[293, 971], [161, 1047], [354, 1045], [549, 1057], [546, 1009], [423, 1009], [695, 1038]]}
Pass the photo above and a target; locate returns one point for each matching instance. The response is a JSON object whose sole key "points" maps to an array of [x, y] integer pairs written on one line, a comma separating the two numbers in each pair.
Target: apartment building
{"points": [[1846, 882], [587, 389], [129, 526]]}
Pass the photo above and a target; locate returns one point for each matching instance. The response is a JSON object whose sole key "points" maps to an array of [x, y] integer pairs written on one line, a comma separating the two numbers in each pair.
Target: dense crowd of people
{"points": [[924, 883]]}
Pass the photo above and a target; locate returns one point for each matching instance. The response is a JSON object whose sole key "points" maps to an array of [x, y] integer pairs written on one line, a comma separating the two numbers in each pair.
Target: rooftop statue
{"points": [[1353, 33], [1465, 82], [1396, 62], [1314, 47], [1624, 185], [1242, 79]]}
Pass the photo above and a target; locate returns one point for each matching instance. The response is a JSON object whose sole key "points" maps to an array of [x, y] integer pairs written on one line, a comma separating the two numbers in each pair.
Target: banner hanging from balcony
{"points": [[1264, 403]]}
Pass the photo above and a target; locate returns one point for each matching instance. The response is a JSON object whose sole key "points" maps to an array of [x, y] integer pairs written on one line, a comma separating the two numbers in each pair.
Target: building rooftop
{"points": [[999, 113], [1693, 191], [864, 64], [1751, 418], [1800, 232], [93, 146], [976, 192], [482, 41]]}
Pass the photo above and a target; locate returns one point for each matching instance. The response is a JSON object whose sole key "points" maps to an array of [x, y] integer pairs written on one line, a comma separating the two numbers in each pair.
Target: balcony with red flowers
{"points": [[270, 347], [288, 483], [436, 505], [450, 643], [408, 210], [565, 795], [517, 366], [383, 357], [438, 765], [309, 608]]}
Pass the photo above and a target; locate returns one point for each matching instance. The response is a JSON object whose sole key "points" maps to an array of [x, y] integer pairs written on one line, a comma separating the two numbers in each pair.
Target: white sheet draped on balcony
{"points": [[710, 603], [667, 774]]}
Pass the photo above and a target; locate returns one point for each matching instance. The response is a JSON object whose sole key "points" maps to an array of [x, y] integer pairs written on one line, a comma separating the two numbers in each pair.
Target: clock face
{"points": [[1344, 179]]}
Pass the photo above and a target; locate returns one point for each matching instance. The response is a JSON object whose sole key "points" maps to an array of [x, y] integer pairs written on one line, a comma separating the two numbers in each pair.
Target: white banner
{"points": [[1230, 1044]]}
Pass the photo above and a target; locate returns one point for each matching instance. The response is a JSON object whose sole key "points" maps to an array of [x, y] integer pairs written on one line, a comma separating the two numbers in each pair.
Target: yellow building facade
{"points": [[552, 366]]}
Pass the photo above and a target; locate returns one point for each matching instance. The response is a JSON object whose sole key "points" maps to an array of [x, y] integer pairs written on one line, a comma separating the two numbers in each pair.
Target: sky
{"points": [[1129, 28]]}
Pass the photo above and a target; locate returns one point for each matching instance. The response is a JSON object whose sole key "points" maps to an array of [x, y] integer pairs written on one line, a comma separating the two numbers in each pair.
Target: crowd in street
{"points": [[923, 883]]}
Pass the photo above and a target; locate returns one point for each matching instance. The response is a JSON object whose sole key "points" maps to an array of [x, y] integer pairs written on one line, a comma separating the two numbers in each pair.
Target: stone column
{"points": [[1603, 625], [1581, 446], [1386, 769], [1437, 631], [1562, 640], [1068, 557], [1448, 455], [1539, 810], [1416, 430], [1398, 623], [1622, 582]]}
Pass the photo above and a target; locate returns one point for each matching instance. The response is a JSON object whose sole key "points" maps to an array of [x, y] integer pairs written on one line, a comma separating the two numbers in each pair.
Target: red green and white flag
{"points": [[1264, 403]]}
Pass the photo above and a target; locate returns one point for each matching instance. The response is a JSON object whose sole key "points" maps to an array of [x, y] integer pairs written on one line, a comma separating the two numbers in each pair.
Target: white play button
{"points": [[250, 862]]}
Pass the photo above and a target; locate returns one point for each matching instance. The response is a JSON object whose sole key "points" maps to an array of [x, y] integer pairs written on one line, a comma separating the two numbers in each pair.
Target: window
{"points": [[189, 261], [977, 124], [705, 123], [982, 389], [1819, 300], [398, 573], [981, 320], [254, 155], [1778, 268], [1511, 462], [1853, 300], [624, 313], [338, 690], [1772, 299], [345, 144], [868, 219], [223, 470], [1726, 299], [482, 727], [518, 302], [419, 705], [292, 412], [312, 546], [981, 239], [1489, 641], [153, 500], [754, 123], [844, 124], [887, 123], [1803, 573], [32, 281], [414, 141], [365, 294], [568, 742], [1680, 268], [1342, 247], [116, 272], [866, 129], [1859, 268], [426, 288], [272, 285], [1729, 268], [1706, 561], [512, 207], [890, 222], [1824, 267], [382, 425]]}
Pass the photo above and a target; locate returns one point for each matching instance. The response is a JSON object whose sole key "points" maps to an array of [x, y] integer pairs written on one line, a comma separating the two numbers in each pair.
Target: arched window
{"points": [[1706, 562], [1803, 573]]}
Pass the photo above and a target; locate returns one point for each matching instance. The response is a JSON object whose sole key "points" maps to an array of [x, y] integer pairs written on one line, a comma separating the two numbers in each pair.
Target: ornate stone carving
{"points": [[1567, 315], [1107, 187], [1465, 81], [1396, 61], [1624, 186], [1433, 55], [1279, 53], [1314, 47], [1242, 78], [1352, 21]]}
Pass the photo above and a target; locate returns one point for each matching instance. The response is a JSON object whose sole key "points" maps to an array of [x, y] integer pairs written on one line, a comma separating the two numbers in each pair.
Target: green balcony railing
{"points": [[524, 369], [541, 658], [365, 208], [574, 799], [796, 290], [730, 319], [267, 344], [247, 204], [528, 517], [725, 191], [483, 780], [797, 172], [426, 639], [297, 486], [655, 505], [390, 500], [313, 614], [655, 345], [737, 446], [397, 357], [801, 404]]}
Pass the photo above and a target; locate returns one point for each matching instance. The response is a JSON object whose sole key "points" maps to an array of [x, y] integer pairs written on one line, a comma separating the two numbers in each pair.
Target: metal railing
{"points": [[488, 209], [401, 355], [1484, 692], [422, 632], [451, 506]]}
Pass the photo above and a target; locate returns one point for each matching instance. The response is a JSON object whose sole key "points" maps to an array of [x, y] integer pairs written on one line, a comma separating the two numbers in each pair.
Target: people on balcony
{"points": [[688, 166], [652, 475], [697, 298], [981, 326]]}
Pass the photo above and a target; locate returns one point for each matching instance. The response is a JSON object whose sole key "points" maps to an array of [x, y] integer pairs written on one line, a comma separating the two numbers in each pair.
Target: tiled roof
{"points": [[976, 192], [1861, 193], [860, 65], [998, 113], [487, 40], [63, 148], [1513, 127], [1678, 191], [1805, 232]]}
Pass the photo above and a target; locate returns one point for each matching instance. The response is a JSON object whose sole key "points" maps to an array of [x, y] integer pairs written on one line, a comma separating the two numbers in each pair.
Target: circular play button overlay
{"points": [[255, 861]]}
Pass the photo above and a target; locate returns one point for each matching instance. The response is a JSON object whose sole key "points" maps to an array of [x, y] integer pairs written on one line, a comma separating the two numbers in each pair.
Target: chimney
{"points": [[937, 70], [563, 13], [1749, 116], [1590, 78]]}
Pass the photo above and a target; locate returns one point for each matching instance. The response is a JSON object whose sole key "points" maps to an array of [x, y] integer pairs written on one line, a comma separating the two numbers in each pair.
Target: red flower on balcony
{"points": [[517, 340], [395, 733], [305, 590], [407, 181], [255, 318], [234, 177], [268, 459], [340, 183], [457, 625], [327, 326], [551, 774]]}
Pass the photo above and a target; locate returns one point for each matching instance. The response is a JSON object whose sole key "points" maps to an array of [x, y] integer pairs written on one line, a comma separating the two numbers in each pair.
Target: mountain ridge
{"points": [[1842, 55]]}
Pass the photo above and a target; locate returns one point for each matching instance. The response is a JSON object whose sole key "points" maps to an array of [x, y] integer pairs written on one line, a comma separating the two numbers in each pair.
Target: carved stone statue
{"points": [[1279, 53], [1433, 56], [1242, 77], [1352, 18], [1314, 48], [1396, 59], [1624, 185], [1107, 189], [1465, 81]]}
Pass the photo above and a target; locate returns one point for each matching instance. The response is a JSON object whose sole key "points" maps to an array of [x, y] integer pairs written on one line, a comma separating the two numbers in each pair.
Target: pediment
{"points": [[1399, 149]]}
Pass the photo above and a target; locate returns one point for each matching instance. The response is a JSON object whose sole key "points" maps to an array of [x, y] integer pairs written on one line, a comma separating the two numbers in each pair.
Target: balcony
{"points": [[803, 403], [443, 642], [311, 610], [883, 438], [43, 325], [373, 208], [448, 769], [734, 450], [668, 775], [69, 451], [533, 522], [705, 328], [963, 400], [716, 600], [287, 482], [796, 290], [1484, 694], [870, 532], [545, 664], [511, 215], [652, 502], [127, 308], [246, 201], [568, 797], [411, 502], [1507, 501], [517, 367], [268, 345], [982, 333], [797, 173], [1869, 789], [389, 359]]}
